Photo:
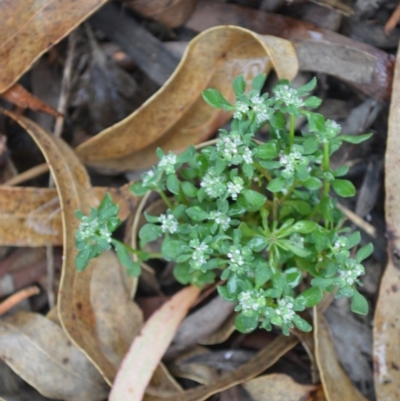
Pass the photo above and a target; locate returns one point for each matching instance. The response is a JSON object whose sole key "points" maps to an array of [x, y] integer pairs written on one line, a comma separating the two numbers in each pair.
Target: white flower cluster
{"points": [[288, 96], [89, 229], [262, 111], [167, 163], [332, 128], [290, 161], [241, 110], [213, 184], [169, 224], [350, 274], [230, 148], [285, 311], [199, 255], [251, 300], [235, 255], [147, 176], [221, 219], [340, 243], [235, 187]]}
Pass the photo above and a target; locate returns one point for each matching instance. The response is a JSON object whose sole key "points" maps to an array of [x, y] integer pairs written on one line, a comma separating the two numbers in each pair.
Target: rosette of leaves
{"points": [[260, 217]]}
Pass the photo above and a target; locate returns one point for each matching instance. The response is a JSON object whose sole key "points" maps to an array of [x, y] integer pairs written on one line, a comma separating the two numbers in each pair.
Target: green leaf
{"points": [[124, 256], [215, 99], [313, 183], [182, 274], [254, 197], [316, 121], [364, 252], [304, 227], [302, 324], [356, 139], [310, 145], [171, 249], [173, 184], [149, 232], [313, 102], [293, 276], [189, 189], [239, 85], [354, 239], [276, 184], [187, 155], [322, 282], [262, 274], [300, 206], [268, 150], [257, 244], [82, 259], [344, 188], [224, 293], [196, 213], [258, 82], [278, 120], [246, 324], [138, 189], [341, 171], [308, 87], [310, 297], [295, 249], [359, 304]]}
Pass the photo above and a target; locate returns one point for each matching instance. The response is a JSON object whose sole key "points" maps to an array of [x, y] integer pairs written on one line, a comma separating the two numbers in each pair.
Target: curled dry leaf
{"points": [[277, 387], [19, 96], [263, 360], [308, 40], [39, 351], [86, 302], [30, 28], [148, 348], [176, 116], [170, 13], [32, 216], [337, 385], [387, 325]]}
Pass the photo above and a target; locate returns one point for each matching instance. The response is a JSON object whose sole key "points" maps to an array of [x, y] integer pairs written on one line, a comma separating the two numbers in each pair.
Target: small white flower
{"points": [[168, 223], [285, 309], [235, 187], [352, 272], [241, 109], [146, 177], [288, 96], [235, 256], [247, 155], [332, 128], [251, 300], [167, 163], [297, 240], [199, 255], [213, 185], [221, 219]]}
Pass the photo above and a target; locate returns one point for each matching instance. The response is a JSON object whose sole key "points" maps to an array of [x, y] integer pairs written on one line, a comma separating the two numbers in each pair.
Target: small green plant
{"points": [[258, 216]]}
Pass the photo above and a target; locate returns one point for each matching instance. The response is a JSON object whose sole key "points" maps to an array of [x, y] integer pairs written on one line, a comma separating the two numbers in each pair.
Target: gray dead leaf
{"points": [[199, 325], [39, 351]]}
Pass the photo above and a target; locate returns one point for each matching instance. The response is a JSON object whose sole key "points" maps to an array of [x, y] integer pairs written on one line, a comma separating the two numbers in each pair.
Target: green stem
{"points": [[289, 192], [165, 199], [291, 132], [150, 255], [262, 170], [326, 167], [275, 208]]}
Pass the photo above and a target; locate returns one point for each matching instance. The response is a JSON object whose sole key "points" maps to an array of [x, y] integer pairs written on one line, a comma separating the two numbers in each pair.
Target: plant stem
{"points": [[263, 171], [165, 199], [326, 166], [291, 132], [275, 208]]}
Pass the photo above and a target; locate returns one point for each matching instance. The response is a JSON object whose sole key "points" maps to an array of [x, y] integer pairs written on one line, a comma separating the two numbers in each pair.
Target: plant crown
{"points": [[257, 216]]}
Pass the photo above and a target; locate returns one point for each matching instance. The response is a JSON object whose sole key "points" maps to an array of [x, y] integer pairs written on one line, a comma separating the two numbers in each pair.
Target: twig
{"points": [[27, 175], [16, 298], [357, 220], [393, 20]]}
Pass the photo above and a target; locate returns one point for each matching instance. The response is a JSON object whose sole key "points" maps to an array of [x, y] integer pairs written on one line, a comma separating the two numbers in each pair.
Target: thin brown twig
{"points": [[27, 175], [16, 298], [357, 220], [393, 20]]}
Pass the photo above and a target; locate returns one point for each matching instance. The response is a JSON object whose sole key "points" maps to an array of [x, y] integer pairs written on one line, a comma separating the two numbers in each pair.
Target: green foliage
{"points": [[259, 217]]}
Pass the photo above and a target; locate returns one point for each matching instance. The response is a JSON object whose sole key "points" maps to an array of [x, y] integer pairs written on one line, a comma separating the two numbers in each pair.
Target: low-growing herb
{"points": [[258, 216]]}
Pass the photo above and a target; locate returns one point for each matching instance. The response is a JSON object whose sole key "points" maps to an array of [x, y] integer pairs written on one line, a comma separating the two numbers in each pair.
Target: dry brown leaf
{"points": [[263, 360], [148, 348], [39, 351], [19, 96], [177, 116], [277, 387], [31, 27], [86, 302], [387, 324], [170, 13], [32, 216], [336, 383]]}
